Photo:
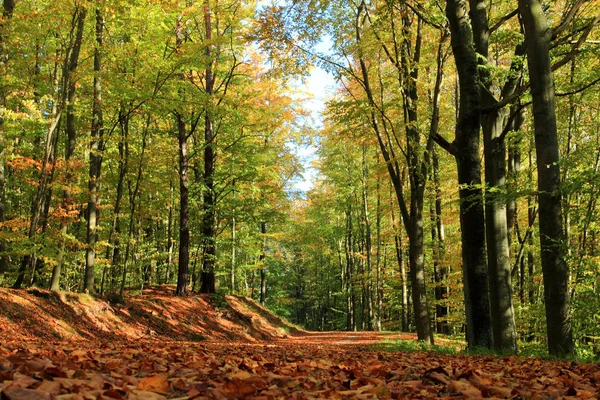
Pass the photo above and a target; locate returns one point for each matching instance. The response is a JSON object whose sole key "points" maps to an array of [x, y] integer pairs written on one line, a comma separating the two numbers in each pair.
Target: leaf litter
{"points": [[302, 365]]}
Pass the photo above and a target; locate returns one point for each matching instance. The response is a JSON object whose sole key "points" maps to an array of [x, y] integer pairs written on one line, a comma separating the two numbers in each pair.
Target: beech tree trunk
{"points": [[184, 210], [66, 100], [96, 144], [263, 271], [554, 268], [133, 198], [406, 63], [208, 206], [466, 148], [7, 13], [492, 123]]}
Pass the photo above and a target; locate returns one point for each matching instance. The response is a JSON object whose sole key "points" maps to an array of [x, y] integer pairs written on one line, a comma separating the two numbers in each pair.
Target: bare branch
{"points": [[502, 20], [567, 18]]}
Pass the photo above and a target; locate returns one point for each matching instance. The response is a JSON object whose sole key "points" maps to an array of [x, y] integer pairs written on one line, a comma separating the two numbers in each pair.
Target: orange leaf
{"points": [[154, 383]]}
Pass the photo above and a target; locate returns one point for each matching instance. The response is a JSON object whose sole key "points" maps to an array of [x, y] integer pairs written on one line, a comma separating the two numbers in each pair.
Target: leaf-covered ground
{"points": [[297, 366]]}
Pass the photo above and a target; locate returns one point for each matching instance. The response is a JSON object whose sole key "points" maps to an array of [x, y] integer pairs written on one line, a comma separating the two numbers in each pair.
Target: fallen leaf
{"points": [[24, 394], [154, 383]]}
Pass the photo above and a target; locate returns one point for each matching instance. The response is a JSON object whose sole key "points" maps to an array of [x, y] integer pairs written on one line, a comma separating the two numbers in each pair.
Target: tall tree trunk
{"points": [[233, 253], [439, 263], [113, 251], [368, 243], [466, 149], [7, 13], [170, 234], [184, 210], [68, 88], [492, 123], [407, 66], [514, 167], [554, 268], [96, 144], [379, 275], [261, 260], [349, 289], [531, 220], [133, 198], [401, 269], [208, 205], [437, 226]]}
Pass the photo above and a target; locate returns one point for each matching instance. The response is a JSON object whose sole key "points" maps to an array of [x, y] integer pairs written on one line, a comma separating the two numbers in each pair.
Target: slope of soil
{"points": [[156, 314]]}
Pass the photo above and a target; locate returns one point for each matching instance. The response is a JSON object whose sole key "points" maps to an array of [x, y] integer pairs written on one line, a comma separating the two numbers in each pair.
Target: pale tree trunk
{"points": [[96, 145], [440, 267], [368, 243], [67, 98], [492, 123], [554, 267], [133, 198], [113, 252], [349, 273], [400, 259], [379, 275], [466, 151], [407, 66], [437, 227]]}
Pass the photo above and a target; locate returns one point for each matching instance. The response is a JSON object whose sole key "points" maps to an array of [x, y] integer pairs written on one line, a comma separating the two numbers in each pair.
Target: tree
{"points": [[7, 13], [96, 147], [554, 267], [465, 149]]}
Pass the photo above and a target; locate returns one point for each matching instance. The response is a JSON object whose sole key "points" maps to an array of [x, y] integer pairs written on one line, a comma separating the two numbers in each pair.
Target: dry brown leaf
{"points": [[154, 383], [49, 387], [24, 394], [465, 388], [145, 395]]}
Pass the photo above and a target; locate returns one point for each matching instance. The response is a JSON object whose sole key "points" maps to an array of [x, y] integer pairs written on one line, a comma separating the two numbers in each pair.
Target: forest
{"points": [[456, 173]]}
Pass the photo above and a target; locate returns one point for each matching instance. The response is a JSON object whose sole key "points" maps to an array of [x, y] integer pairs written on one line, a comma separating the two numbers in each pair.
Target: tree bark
{"points": [[184, 210], [467, 146], [492, 123], [407, 64], [113, 252], [7, 13], [263, 271], [554, 267], [133, 198], [208, 205], [66, 100], [96, 144]]}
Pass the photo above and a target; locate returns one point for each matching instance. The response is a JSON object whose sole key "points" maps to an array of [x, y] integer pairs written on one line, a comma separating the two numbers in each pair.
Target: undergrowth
{"points": [[453, 345], [218, 299]]}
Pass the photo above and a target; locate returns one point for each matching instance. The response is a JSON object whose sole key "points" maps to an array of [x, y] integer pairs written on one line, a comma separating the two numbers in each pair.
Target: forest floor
{"points": [[157, 346]]}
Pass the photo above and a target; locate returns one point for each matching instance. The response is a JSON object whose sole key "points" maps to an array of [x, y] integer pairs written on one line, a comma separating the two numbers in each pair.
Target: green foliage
{"points": [[399, 345], [219, 299]]}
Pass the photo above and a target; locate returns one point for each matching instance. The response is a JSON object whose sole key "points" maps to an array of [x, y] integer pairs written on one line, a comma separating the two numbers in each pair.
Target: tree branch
{"points": [[502, 20]]}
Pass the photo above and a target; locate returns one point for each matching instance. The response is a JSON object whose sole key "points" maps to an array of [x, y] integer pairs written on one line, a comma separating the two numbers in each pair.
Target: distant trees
{"points": [[378, 65], [179, 80]]}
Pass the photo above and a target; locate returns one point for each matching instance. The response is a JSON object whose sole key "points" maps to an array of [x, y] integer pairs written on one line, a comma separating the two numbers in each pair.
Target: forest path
{"points": [[338, 365]]}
